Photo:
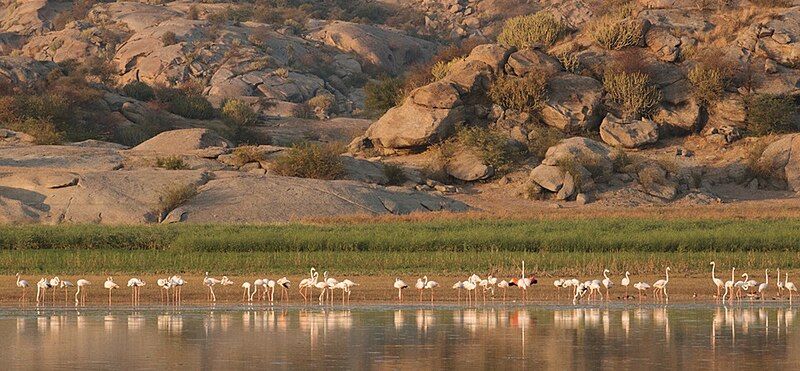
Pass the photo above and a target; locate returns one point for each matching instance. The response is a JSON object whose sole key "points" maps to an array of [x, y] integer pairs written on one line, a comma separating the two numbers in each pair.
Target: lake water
{"points": [[682, 336]]}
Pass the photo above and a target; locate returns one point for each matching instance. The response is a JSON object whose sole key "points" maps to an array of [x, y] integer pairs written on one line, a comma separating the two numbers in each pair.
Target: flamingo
{"points": [[524, 282], [420, 285], [458, 286], [165, 285], [641, 286], [789, 286], [322, 285], [271, 285], [741, 285], [331, 283], [580, 291], [41, 288], [780, 284], [400, 286], [661, 286], [430, 285], [261, 282], [625, 282], [762, 288], [110, 285], [503, 285], [53, 284], [177, 282], [307, 284], [350, 285], [594, 288], [247, 294], [135, 284], [607, 283], [717, 282], [729, 284], [22, 284], [470, 287], [210, 282], [559, 283], [65, 285], [80, 294], [341, 286], [484, 284], [284, 283]]}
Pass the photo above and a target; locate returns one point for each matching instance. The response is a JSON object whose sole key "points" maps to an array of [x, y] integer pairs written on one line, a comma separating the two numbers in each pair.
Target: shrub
{"points": [[169, 38], [570, 62], [707, 84], [394, 174], [239, 113], [247, 154], [519, 93], [494, 147], [768, 113], [171, 163], [756, 167], [441, 69], [173, 197], [193, 13], [41, 129], [185, 103], [383, 94], [322, 102], [632, 92], [541, 138], [528, 30], [139, 90], [308, 160], [616, 30]]}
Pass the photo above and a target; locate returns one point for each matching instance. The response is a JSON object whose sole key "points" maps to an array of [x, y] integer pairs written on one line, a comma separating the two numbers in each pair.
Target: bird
{"points": [[470, 287], [22, 284], [594, 289], [625, 282], [641, 286], [580, 291], [271, 285], [284, 283], [420, 285], [559, 283], [110, 285], [660, 286], [503, 285], [607, 283], [458, 286], [322, 285], [430, 285], [717, 282], [260, 282], [400, 286], [331, 283], [247, 294], [308, 284], [789, 286], [41, 288], [342, 286], [165, 285], [210, 282], [177, 282], [729, 284], [65, 285], [780, 284], [762, 288], [135, 284], [53, 284], [80, 294], [350, 284]]}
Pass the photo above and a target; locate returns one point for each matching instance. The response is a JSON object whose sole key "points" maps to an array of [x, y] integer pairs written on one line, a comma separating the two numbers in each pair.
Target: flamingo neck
{"points": [[713, 267]]}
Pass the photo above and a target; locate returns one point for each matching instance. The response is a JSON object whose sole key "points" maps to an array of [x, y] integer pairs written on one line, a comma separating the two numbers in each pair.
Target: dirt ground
{"points": [[370, 290]]}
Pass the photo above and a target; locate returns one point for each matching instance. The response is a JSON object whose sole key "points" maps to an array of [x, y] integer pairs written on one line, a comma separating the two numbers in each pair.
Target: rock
{"points": [[632, 134], [364, 170], [412, 126], [584, 151], [548, 177], [61, 157], [471, 76], [731, 108], [573, 104], [722, 134], [583, 199], [680, 119], [655, 182], [467, 166], [440, 94], [779, 160], [770, 66], [567, 189], [753, 185], [250, 166], [494, 55], [183, 141], [23, 71], [528, 61], [665, 45], [10, 137]]}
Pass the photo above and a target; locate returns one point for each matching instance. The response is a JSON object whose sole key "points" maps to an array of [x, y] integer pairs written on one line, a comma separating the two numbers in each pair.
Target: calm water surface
{"points": [[690, 336]]}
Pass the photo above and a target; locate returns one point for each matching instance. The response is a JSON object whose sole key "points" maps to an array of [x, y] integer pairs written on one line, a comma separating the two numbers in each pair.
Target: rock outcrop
{"points": [[780, 161], [175, 142], [628, 134], [574, 103]]}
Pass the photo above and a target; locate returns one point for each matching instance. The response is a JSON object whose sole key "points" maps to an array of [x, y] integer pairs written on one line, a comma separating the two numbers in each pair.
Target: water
{"points": [[689, 336]]}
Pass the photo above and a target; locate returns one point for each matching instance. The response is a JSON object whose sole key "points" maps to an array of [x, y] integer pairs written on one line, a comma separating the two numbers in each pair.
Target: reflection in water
{"points": [[496, 337]]}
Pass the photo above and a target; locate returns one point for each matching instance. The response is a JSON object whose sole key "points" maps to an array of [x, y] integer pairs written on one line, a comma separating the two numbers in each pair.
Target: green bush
{"points": [[383, 94], [632, 92], [171, 163], [524, 94], [169, 38], [239, 113], [41, 129], [441, 68], [139, 90], [768, 113], [184, 103], [528, 30], [307, 160], [708, 84], [394, 174], [494, 147], [616, 30]]}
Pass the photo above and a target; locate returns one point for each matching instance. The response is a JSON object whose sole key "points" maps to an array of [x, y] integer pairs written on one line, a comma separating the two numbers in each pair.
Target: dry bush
{"points": [[171, 163], [173, 197], [307, 160], [394, 173], [617, 30], [442, 68], [239, 113], [757, 168], [529, 30], [633, 93], [246, 154], [493, 146], [524, 94], [541, 138], [707, 84], [383, 94], [41, 129], [769, 114]]}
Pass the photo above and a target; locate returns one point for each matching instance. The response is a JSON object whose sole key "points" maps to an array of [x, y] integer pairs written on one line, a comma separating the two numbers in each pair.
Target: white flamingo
{"points": [[350, 284], [271, 285], [165, 285], [430, 285], [110, 285], [136, 286], [660, 286], [285, 284], [261, 282], [503, 285], [789, 286], [559, 283], [322, 285], [41, 289], [762, 288], [780, 284], [420, 285], [247, 293], [458, 286], [65, 285], [641, 286], [331, 283], [177, 283], [307, 284], [400, 286], [717, 282], [54, 283], [470, 287], [80, 294], [625, 282], [210, 282], [22, 284], [729, 285], [607, 282]]}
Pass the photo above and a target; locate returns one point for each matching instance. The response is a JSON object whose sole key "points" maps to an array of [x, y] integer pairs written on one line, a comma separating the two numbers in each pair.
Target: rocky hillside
{"points": [[241, 111]]}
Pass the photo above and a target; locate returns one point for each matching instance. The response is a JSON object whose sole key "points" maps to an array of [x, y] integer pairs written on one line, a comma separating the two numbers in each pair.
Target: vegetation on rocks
{"points": [[707, 84], [169, 38], [171, 163], [383, 94], [186, 103], [493, 147], [632, 92], [139, 90], [238, 113], [616, 30], [541, 138], [173, 197], [524, 94], [394, 173], [529, 30], [309, 160], [769, 114]]}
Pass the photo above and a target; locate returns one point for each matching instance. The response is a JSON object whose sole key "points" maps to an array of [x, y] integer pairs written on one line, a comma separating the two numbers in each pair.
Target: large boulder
{"points": [[494, 55], [549, 177], [584, 151], [183, 141], [23, 71], [628, 134], [467, 166], [655, 181], [530, 60], [780, 160], [413, 126], [574, 103]]}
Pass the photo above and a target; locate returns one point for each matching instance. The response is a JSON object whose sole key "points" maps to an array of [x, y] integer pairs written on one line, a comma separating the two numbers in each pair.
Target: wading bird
{"points": [[136, 286], [660, 286], [165, 285], [177, 283], [65, 285], [260, 283], [420, 285], [210, 282], [110, 285], [53, 284], [400, 286], [559, 284], [307, 284], [80, 294], [285, 284], [641, 286], [22, 284], [350, 285], [789, 286], [458, 286], [762, 288], [625, 282], [503, 285], [607, 283], [41, 289], [470, 287], [247, 294], [717, 282], [430, 285], [322, 285], [729, 285], [271, 285], [780, 284]]}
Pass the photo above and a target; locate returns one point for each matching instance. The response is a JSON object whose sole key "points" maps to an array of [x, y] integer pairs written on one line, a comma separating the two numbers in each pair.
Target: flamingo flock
{"points": [[473, 287]]}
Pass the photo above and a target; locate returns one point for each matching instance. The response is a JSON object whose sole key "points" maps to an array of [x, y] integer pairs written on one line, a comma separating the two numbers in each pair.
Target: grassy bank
{"points": [[573, 246], [576, 235]]}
